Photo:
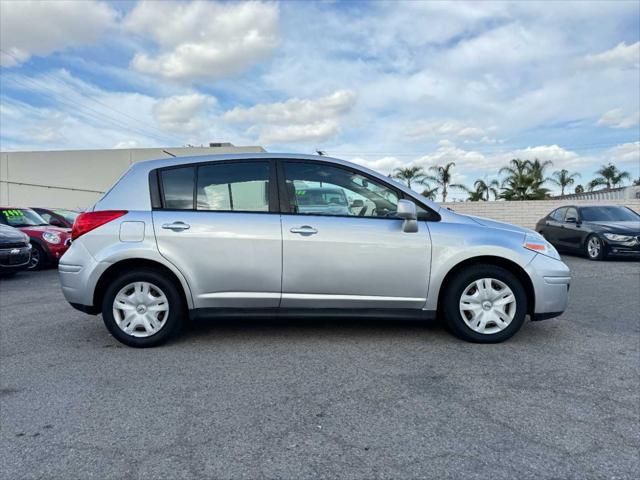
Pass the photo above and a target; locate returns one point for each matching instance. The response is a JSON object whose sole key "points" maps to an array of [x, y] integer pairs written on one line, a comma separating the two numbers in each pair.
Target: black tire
{"points": [[589, 251], [173, 322], [450, 306], [38, 258]]}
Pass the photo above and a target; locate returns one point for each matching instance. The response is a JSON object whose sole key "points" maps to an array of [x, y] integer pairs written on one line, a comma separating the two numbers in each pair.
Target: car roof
{"points": [[167, 162], [592, 205]]}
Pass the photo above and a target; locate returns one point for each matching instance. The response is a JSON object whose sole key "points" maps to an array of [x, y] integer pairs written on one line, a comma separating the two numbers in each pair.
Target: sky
{"points": [[383, 84]]}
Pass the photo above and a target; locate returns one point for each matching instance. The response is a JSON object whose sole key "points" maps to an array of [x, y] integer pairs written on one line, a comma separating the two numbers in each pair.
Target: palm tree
{"points": [[410, 174], [486, 188], [430, 193], [524, 180], [610, 176], [481, 190], [442, 178], [563, 179], [579, 189]]}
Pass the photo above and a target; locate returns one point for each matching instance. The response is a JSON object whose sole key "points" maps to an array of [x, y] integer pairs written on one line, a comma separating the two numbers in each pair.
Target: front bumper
{"points": [[55, 251], [623, 249], [14, 259], [551, 280]]}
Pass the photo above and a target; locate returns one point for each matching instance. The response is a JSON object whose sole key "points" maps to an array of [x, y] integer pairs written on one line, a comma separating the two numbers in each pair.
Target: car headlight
{"points": [[538, 244], [51, 237], [614, 237]]}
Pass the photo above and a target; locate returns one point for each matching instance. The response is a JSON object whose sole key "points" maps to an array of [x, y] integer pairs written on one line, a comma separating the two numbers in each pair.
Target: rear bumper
{"points": [[551, 280], [79, 273]]}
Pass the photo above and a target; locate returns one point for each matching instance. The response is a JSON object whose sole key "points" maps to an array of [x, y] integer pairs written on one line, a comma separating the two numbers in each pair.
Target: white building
{"points": [[77, 178]]}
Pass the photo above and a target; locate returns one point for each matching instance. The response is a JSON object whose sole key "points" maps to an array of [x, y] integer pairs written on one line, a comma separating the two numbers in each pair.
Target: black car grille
{"points": [[12, 245], [18, 254]]}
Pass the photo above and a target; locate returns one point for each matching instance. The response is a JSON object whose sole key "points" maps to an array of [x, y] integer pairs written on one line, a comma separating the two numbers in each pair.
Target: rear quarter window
{"points": [[177, 188]]}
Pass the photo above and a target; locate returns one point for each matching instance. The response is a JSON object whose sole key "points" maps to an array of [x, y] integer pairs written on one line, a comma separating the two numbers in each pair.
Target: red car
{"points": [[48, 242], [58, 217]]}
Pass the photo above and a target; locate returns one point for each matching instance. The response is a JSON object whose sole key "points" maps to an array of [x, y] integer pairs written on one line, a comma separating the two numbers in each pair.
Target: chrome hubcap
{"points": [[593, 247], [487, 306], [140, 309]]}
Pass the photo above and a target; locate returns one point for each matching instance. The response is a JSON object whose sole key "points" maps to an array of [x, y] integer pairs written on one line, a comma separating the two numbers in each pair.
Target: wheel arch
{"points": [[39, 243], [129, 264], [505, 263]]}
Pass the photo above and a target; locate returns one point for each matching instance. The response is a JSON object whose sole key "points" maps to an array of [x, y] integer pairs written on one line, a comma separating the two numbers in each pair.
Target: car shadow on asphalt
{"points": [[306, 327]]}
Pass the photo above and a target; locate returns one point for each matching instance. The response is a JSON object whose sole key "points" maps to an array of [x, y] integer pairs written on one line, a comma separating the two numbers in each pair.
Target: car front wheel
{"points": [[142, 308], [484, 304], [594, 248], [38, 257]]}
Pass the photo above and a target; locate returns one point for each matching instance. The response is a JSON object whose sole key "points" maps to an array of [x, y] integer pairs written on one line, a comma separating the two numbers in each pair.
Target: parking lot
{"points": [[339, 398]]}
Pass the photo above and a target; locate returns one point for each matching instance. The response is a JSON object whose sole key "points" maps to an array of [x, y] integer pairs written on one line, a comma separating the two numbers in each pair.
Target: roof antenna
{"points": [[168, 153], [322, 153]]}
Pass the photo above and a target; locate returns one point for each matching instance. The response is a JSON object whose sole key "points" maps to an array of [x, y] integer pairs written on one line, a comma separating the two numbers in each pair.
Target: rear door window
{"points": [[234, 187]]}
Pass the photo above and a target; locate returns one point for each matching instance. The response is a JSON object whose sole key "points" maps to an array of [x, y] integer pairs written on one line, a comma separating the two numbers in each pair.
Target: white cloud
{"points": [[295, 110], [447, 128], [561, 157], [312, 132], [295, 120], [620, 56], [626, 152], [30, 28], [183, 113], [447, 151], [617, 118], [203, 40], [127, 144], [384, 165]]}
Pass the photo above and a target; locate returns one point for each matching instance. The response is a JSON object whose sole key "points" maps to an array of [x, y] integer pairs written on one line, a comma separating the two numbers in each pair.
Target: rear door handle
{"points": [[176, 226], [304, 230]]}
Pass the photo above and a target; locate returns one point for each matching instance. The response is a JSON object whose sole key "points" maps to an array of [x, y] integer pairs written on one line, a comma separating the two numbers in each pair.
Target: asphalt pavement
{"points": [[297, 399]]}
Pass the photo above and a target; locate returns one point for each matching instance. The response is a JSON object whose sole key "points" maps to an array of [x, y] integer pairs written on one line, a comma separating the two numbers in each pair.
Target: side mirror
{"points": [[571, 220], [357, 203], [407, 211]]}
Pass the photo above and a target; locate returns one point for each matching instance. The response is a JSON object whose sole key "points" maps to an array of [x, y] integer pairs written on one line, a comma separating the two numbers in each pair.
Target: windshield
{"points": [[609, 214], [69, 215], [21, 217]]}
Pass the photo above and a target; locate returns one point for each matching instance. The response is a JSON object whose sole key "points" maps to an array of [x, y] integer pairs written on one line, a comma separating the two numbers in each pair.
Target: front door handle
{"points": [[176, 226], [304, 230]]}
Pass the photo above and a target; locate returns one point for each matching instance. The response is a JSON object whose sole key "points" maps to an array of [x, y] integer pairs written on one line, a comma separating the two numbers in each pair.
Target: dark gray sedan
{"points": [[597, 231]]}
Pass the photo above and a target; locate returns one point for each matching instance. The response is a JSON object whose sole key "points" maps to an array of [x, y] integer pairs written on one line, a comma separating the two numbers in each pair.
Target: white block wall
{"points": [[527, 212]]}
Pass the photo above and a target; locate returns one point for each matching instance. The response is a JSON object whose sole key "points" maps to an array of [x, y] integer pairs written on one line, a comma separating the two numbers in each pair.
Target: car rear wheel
{"points": [[594, 248], [37, 260], [142, 308], [484, 304]]}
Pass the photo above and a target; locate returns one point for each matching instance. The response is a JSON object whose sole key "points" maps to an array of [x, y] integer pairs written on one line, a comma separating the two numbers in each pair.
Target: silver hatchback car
{"points": [[299, 235]]}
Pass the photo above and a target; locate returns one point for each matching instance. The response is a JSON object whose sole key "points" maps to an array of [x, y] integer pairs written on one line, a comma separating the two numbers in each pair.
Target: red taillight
{"points": [[85, 222]]}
